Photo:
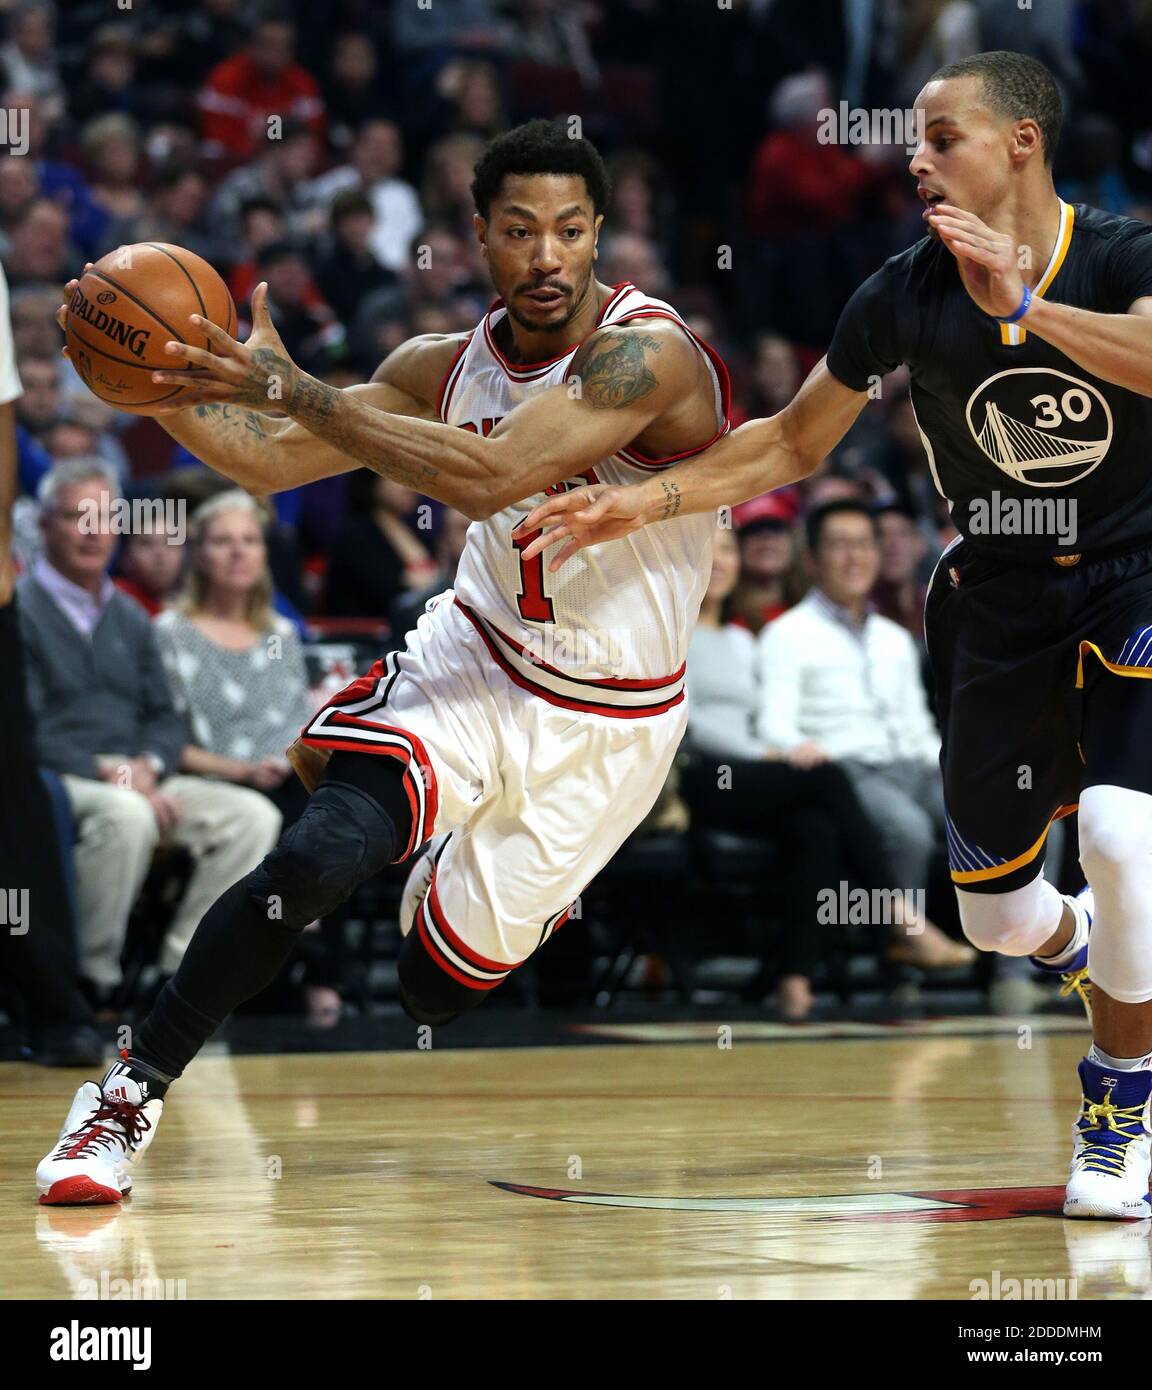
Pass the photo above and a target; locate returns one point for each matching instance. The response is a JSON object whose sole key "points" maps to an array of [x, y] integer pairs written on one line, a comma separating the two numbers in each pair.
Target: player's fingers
{"points": [[199, 357], [224, 342], [954, 237], [960, 214], [959, 234], [564, 556], [190, 397], [545, 540], [974, 252], [178, 376], [593, 513], [547, 510], [260, 315]]}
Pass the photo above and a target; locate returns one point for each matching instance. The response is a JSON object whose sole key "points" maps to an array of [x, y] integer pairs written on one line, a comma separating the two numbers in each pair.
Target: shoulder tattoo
{"points": [[613, 370]]}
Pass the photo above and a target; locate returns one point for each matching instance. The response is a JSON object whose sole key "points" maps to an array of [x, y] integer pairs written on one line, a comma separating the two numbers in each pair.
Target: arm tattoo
{"points": [[316, 399], [271, 377], [672, 498], [231, 417], [325, 411], [613, 371]]}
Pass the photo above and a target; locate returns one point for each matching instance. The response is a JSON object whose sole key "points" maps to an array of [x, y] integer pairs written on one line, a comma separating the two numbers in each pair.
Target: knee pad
{"points": [[1016, 923], [341, 839], [1115, 832], [427, 993], [1116, 852]]}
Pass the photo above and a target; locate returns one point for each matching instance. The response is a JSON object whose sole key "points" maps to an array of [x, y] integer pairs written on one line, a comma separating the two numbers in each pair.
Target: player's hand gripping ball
{"points": [[125, 308]]}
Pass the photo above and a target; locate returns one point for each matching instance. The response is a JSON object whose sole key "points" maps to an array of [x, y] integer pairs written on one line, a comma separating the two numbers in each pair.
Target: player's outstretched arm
{"points": [[622, 379], [757, 457], [265, 452]]}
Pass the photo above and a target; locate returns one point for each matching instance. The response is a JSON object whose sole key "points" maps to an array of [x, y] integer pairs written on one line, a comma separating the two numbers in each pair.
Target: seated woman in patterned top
{"points": [[236, 668]]}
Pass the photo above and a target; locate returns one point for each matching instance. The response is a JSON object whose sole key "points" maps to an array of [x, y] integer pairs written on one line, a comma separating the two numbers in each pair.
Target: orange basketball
{"points": [[127, 306]]}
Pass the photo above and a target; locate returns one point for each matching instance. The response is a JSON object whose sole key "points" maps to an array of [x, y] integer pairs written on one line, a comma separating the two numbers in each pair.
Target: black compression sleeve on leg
{"points": [[344, 837], [382, 779], [235, 953]]}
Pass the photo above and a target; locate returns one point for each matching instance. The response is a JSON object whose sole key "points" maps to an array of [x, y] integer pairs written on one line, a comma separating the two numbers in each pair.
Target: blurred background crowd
{"points": [[329, 150]]}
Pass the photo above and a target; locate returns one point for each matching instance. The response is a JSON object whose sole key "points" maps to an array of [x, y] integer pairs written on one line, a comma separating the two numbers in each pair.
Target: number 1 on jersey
{"points": [[534, 604]]}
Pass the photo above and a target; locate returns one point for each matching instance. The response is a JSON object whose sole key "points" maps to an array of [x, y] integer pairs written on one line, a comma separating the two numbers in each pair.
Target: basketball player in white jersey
{"points": [[530, 724]]}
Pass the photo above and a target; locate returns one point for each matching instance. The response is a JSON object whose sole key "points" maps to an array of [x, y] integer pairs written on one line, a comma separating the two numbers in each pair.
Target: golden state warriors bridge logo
{"points": [[1039, 426]]}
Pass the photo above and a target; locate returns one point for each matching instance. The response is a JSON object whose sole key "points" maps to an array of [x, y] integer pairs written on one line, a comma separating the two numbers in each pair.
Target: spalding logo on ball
{"points": [[127, 306]]}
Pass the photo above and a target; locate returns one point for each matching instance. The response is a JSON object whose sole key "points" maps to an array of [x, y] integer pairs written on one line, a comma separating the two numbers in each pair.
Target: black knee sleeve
{"points": [[428, 994], [382, 779], [342, 838]]}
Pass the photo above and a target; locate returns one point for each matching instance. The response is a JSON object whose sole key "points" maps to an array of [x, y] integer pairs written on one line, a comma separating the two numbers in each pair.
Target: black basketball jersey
{"points": [[1007, 420]]}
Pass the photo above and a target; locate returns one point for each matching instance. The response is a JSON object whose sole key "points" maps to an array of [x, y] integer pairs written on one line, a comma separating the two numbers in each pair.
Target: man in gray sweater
{"points": [[106, 723]]}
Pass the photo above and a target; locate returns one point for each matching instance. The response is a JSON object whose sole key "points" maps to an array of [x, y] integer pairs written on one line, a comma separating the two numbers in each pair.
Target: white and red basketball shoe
{"points": [[108, 1128]]}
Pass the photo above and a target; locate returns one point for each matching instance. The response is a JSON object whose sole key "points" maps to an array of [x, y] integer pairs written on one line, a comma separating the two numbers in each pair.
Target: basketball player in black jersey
{"points": [[1027, 327]]}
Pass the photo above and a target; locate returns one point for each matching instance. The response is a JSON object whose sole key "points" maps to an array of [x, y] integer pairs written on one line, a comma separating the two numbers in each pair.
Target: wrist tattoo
{"points": [[271, 378], [672, 498], [313, 401]]}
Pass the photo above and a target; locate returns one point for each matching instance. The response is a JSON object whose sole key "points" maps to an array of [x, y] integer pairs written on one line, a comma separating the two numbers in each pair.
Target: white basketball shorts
{"points": [[540, 778]]}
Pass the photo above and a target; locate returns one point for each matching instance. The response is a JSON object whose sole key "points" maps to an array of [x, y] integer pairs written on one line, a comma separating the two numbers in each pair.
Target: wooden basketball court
{"points": [[904, 1165]]}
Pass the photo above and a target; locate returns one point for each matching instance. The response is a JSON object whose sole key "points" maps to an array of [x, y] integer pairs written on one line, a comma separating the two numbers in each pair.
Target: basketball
{"points": [[127, 306]]}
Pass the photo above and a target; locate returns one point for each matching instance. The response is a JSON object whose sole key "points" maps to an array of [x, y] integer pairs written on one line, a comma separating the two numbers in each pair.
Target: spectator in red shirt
{"points": [[799, 185], [804, 201], [241, 93]]}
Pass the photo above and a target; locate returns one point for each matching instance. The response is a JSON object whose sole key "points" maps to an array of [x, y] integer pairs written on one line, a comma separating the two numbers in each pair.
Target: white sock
{"points": [[1102, 1059], [1078, 938]]}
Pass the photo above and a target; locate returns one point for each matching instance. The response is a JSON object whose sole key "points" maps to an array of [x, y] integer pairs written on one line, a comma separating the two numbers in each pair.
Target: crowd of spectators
{"points": [[329, 150]]}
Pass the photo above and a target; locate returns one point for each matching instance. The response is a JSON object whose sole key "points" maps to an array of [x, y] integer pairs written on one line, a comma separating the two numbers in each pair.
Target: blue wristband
{"points": [[1025, 304]]}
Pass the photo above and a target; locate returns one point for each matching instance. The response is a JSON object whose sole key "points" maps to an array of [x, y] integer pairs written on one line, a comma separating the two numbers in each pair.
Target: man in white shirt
{"points": [[376, 158], [840, 683]]}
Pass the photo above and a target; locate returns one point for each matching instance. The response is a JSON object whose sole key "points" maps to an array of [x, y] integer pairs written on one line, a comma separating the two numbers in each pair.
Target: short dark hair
{"points": [[349, 202], [260, 202], [896, 508], [1017, 87], [170, 175], [276, 252], [539, 147], [842, 506]]}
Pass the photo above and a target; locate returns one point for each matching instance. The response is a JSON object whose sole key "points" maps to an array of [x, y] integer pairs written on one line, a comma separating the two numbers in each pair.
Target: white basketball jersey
{"points": [[617, 617]]}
